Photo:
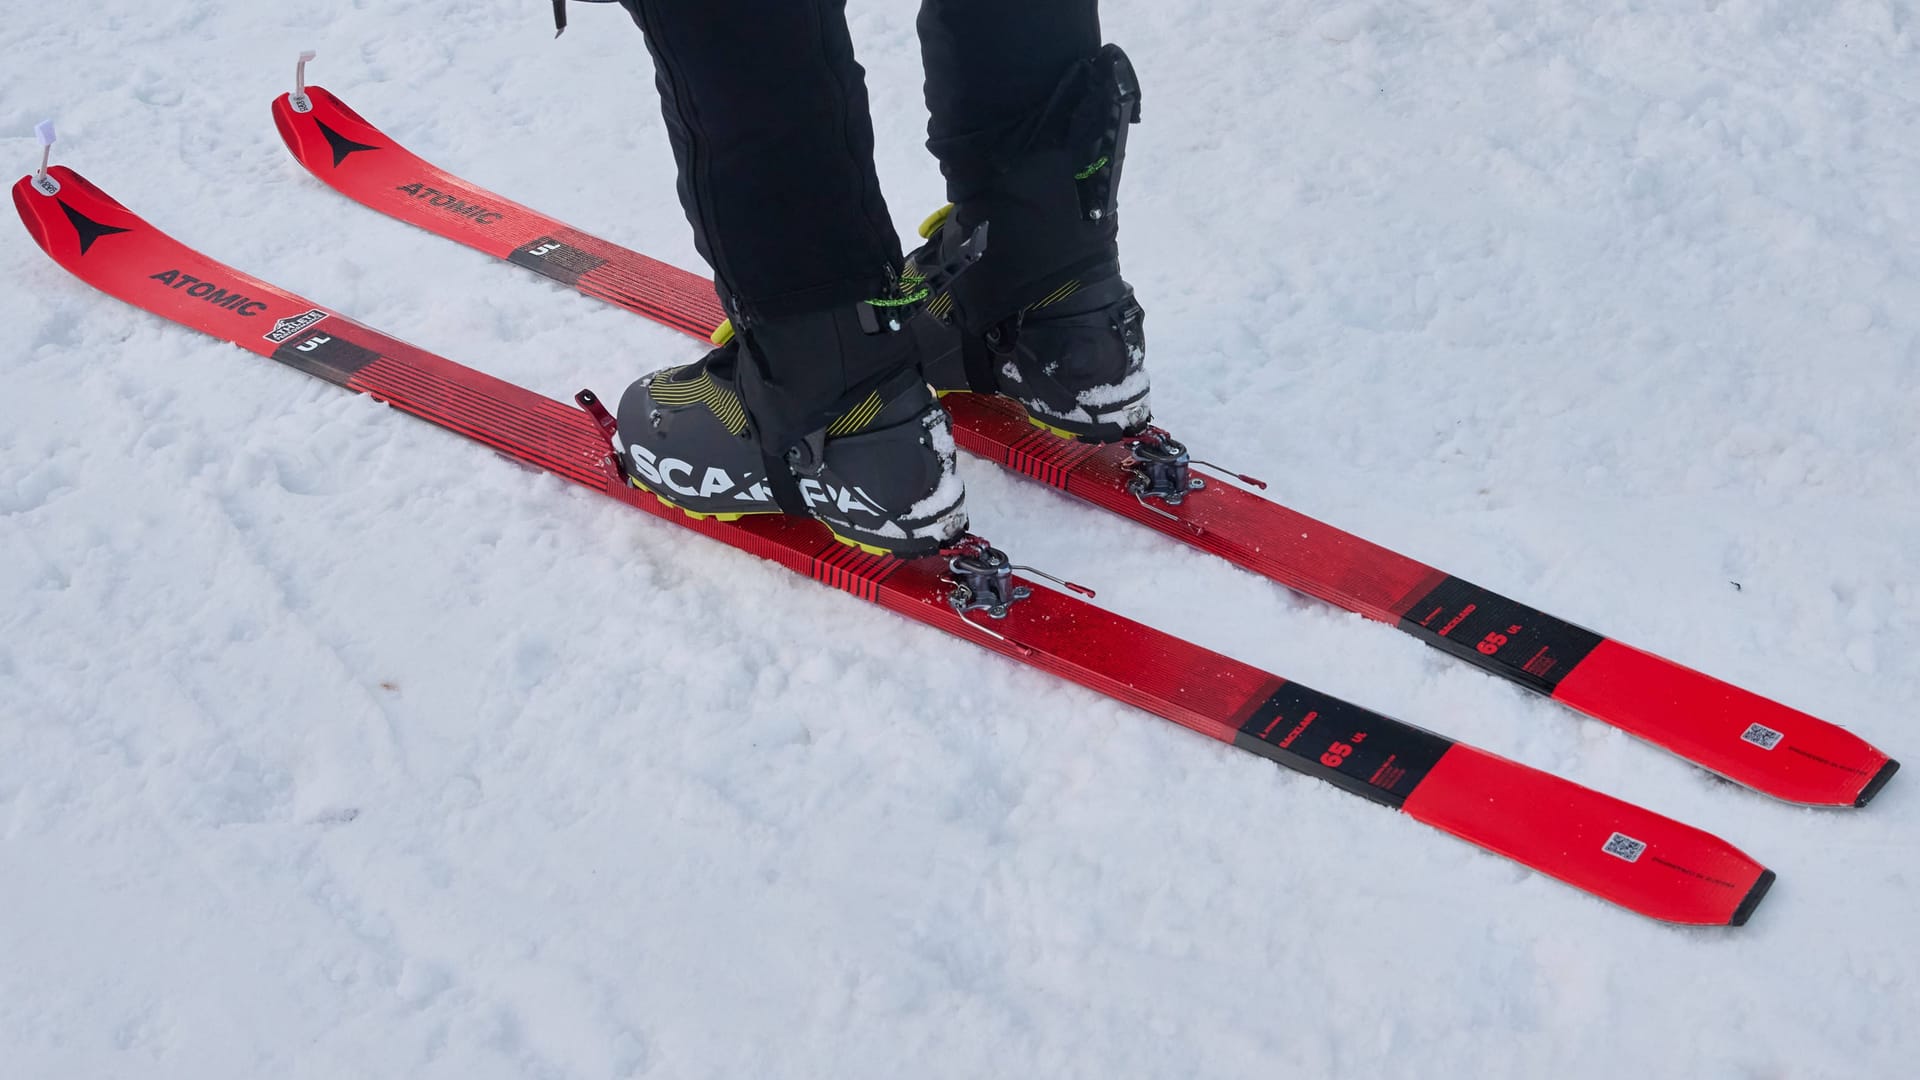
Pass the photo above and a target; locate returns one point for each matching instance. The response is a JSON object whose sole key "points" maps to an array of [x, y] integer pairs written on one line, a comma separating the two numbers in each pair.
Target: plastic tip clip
{"points": [[43, 183], [298, 99]]}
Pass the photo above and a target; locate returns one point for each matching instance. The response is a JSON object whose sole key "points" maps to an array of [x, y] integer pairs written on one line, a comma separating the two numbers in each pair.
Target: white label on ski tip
{"points": [[1622, 846], [45, 184], [1762, 736]]}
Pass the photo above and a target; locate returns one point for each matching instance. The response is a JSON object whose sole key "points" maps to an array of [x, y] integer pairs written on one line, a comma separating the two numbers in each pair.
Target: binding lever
{"points": [[299, 99], [609, 428], [44, 184]]}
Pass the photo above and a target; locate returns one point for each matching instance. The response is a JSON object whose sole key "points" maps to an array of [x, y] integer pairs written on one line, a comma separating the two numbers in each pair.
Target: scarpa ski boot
{"points": [[748, 429], [1044, 316]]}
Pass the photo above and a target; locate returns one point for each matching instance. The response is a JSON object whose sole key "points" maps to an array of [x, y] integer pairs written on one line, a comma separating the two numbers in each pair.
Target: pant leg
{"points": [[1024, 102], [767, 112], [991, 64]]}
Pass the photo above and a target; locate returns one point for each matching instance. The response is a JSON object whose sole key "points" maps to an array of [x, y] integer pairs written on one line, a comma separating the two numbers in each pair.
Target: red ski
{"points": [[1612, 849], [1740, 735]]}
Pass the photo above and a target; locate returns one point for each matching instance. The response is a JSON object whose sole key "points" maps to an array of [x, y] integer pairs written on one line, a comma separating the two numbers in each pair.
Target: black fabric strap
{"points": [[784, 485], [980, 360], [806, 456]]}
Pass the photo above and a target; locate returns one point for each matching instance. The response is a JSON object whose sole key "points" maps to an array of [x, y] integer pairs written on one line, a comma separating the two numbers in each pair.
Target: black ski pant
{"points": [[766, 108]]}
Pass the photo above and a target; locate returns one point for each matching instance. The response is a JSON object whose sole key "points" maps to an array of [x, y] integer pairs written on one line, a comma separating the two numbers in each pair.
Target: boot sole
{"points": [[1051, 429], [871, 549], [729, 518], [699, 515]]}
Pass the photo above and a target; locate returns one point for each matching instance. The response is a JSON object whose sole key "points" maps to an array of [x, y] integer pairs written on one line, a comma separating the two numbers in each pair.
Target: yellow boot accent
{"points": [[722, 333], [852, 543], [730, 518], [694, 514], [1050, 429], [934, 221]]}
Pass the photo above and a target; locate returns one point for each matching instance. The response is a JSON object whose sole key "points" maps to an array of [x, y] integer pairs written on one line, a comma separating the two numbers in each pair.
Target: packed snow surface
{"points": [[333, 746]]}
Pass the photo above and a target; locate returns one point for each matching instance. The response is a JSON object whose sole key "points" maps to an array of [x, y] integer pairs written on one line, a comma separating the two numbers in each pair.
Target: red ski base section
{"points": [[1609, 848], [1765, 745], [1500, 814], [1817, 763]]}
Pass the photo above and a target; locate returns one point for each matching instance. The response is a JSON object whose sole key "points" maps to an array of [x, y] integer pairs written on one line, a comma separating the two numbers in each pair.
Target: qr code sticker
{"points": [[1622, 846], [1762, 736]]}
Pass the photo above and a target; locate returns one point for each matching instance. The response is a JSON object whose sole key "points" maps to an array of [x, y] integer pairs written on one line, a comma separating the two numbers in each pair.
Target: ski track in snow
{"points": [[333, 746]]}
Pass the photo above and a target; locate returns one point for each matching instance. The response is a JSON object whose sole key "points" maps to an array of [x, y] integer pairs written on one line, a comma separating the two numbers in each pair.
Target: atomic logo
{"points": [[89, 229]]}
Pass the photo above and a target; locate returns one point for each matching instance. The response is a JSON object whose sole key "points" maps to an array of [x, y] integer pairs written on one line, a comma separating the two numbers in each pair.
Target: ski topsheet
{"points": [[1747, 738], [1610, 848]]}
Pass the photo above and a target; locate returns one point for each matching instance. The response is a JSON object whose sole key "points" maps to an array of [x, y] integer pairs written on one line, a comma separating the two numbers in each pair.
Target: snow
{"points": [[332, 746]]}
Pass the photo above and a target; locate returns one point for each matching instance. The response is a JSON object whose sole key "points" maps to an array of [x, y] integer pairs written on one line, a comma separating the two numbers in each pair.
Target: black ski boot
{"points": [[1044, 316], [724, 437]]}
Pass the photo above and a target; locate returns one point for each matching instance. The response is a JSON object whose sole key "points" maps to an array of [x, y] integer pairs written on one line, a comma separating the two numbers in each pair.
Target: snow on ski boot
{"points": [[720, 437], [1044, 317]]}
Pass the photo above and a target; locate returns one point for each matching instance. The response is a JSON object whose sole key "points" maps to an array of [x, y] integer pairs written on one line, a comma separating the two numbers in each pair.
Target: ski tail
{"points": [[1762, 743], [1609, 848], [1502, 806], [1742, 736]]}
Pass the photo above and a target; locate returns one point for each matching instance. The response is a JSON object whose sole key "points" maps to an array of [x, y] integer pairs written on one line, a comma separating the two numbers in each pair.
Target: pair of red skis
{"points": [[1613, 849]]}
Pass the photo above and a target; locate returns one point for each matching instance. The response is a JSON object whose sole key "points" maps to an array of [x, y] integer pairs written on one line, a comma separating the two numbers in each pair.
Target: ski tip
{"points": [[1752, 900], [1879, 781]]}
